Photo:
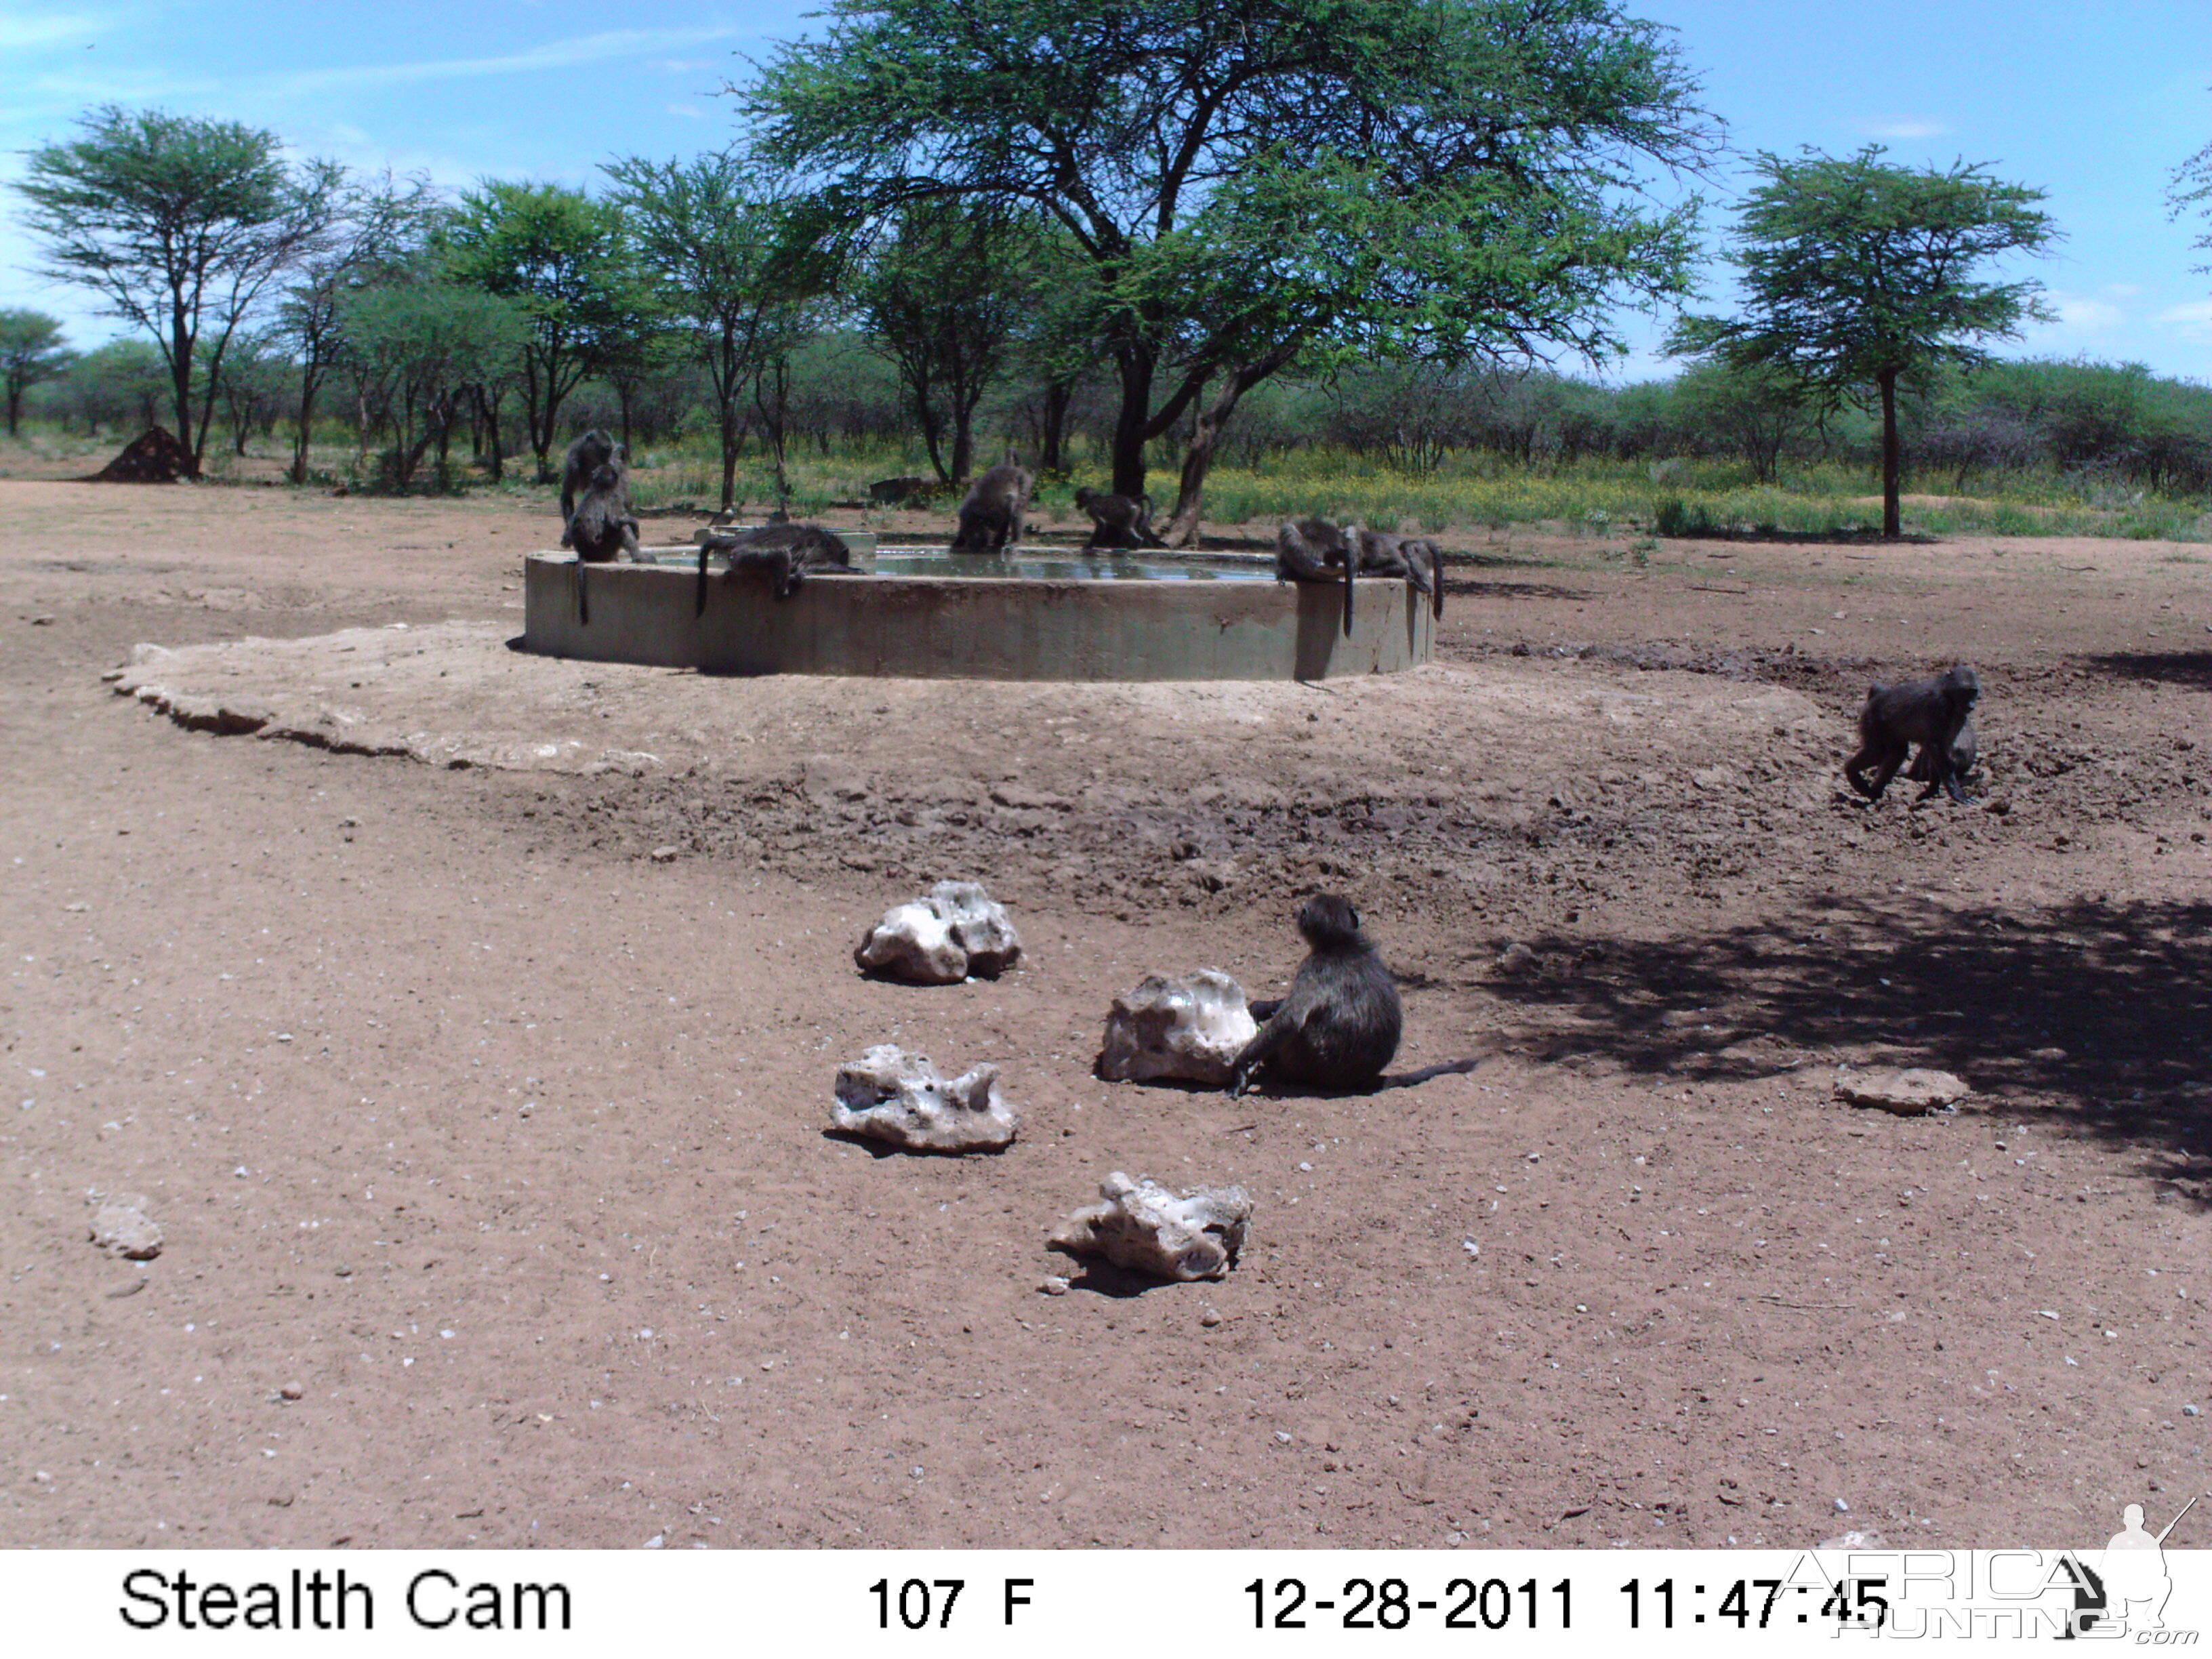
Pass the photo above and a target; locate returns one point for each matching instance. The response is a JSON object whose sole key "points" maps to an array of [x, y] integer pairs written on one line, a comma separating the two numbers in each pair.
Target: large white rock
{"points": [[1192, 1028], [890, 1095], [958, 930], [1141, 1225]]}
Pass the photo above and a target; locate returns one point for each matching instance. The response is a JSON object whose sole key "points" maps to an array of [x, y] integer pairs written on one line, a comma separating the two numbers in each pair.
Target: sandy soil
{"points": [[499, 1140]]}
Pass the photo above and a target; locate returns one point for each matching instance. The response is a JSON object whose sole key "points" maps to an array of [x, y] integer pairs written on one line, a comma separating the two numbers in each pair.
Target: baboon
{"points": [[1415, 559], [601, 528], [1965, 755], [1339, 1027], [1315, 550], [591, 452], [1931, 712], [1118, 521], [788, 552], [992, 511], [899, 492]]}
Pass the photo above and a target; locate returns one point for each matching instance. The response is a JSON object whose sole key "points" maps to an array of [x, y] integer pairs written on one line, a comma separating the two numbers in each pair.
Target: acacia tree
{"points": [[417, 346], [179, 224], [2193, 189], [943, 299], [31, 350], [1859, 276], [379, 225], [1250, 182], [565, 259], [736, 260]]}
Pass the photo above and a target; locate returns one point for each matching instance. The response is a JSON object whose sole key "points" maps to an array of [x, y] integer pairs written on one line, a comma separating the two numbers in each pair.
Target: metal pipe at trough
{"points": [[985, 628]]}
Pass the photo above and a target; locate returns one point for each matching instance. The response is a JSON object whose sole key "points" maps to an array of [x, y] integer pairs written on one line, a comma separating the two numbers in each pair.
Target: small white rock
{"points": [[890, 1095], [1143, 1226], [1907, 1092], [957, 931]]}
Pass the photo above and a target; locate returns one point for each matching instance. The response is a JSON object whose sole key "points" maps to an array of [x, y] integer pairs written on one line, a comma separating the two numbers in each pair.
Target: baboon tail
{"points": [[1351, 560], [583, 599], [699, 600]]}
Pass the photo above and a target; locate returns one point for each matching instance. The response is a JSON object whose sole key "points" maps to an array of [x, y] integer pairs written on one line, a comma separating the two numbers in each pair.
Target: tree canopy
{"points": [[725, 254], [565, 259], [31, 350], [1858, 275], [1250, 182], [179, 223]]}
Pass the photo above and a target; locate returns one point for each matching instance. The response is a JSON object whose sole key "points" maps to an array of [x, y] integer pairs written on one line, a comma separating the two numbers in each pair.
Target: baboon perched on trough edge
{"points": [[788, 552], [1315, 550], [1118, 521], [1413, 559], [1931, 712], [993, 514], [601, 528], [591, 452], [1339, 1025]]}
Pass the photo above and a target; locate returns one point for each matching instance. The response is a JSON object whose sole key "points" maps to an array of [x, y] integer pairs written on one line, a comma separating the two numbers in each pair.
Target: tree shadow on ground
{"points": [[2191, 668], [2096, 1011]]}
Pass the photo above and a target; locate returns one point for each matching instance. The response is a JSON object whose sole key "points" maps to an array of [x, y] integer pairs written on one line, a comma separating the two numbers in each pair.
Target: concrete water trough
{"points": [[1034, 615]]}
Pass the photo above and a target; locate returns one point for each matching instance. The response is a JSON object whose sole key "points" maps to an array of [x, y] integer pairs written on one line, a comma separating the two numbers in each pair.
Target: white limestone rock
{"points": [[1908, 1093], [121, 1226], [1191, 1029], [1141, 1225], [890, 1095], [957, 932]]}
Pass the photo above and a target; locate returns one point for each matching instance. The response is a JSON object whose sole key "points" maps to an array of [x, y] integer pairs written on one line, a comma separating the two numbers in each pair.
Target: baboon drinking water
{"points": [[788, 552], [993, 513], [1413, 559], [1315, 550], [1339, 1025], [1118, 521], [1931, 712], [591, 452]]}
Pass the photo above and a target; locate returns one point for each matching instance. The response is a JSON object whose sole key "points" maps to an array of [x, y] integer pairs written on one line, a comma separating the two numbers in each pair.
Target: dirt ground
{"points": [[470, 1034]]}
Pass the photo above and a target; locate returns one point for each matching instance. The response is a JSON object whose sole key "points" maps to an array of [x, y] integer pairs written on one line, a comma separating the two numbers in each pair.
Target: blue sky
{"points": [[2095, 104]]}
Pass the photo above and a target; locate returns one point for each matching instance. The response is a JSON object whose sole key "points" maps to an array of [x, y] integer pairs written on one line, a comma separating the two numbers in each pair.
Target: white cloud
{"points": [[688, 112], [553, 54], [27, 31], [2086, 315], [1905, 128], [2192, 321]]}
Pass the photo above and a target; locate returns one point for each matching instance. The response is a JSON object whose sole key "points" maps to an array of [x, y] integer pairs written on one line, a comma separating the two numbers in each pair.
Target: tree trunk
{"points": [[310, 383], [1206, 427], [181, 341], [1130, 423], [964, 441], [1059, 395], [14, 408], [726, 422], [1891, 525]]}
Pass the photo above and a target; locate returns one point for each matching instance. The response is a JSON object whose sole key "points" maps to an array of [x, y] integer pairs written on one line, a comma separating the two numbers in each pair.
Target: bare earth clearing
{"points": [[504, 1141]]}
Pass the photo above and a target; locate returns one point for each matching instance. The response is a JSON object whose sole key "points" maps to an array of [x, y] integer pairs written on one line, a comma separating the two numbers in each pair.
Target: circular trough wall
{"points": [[975, 628]]}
